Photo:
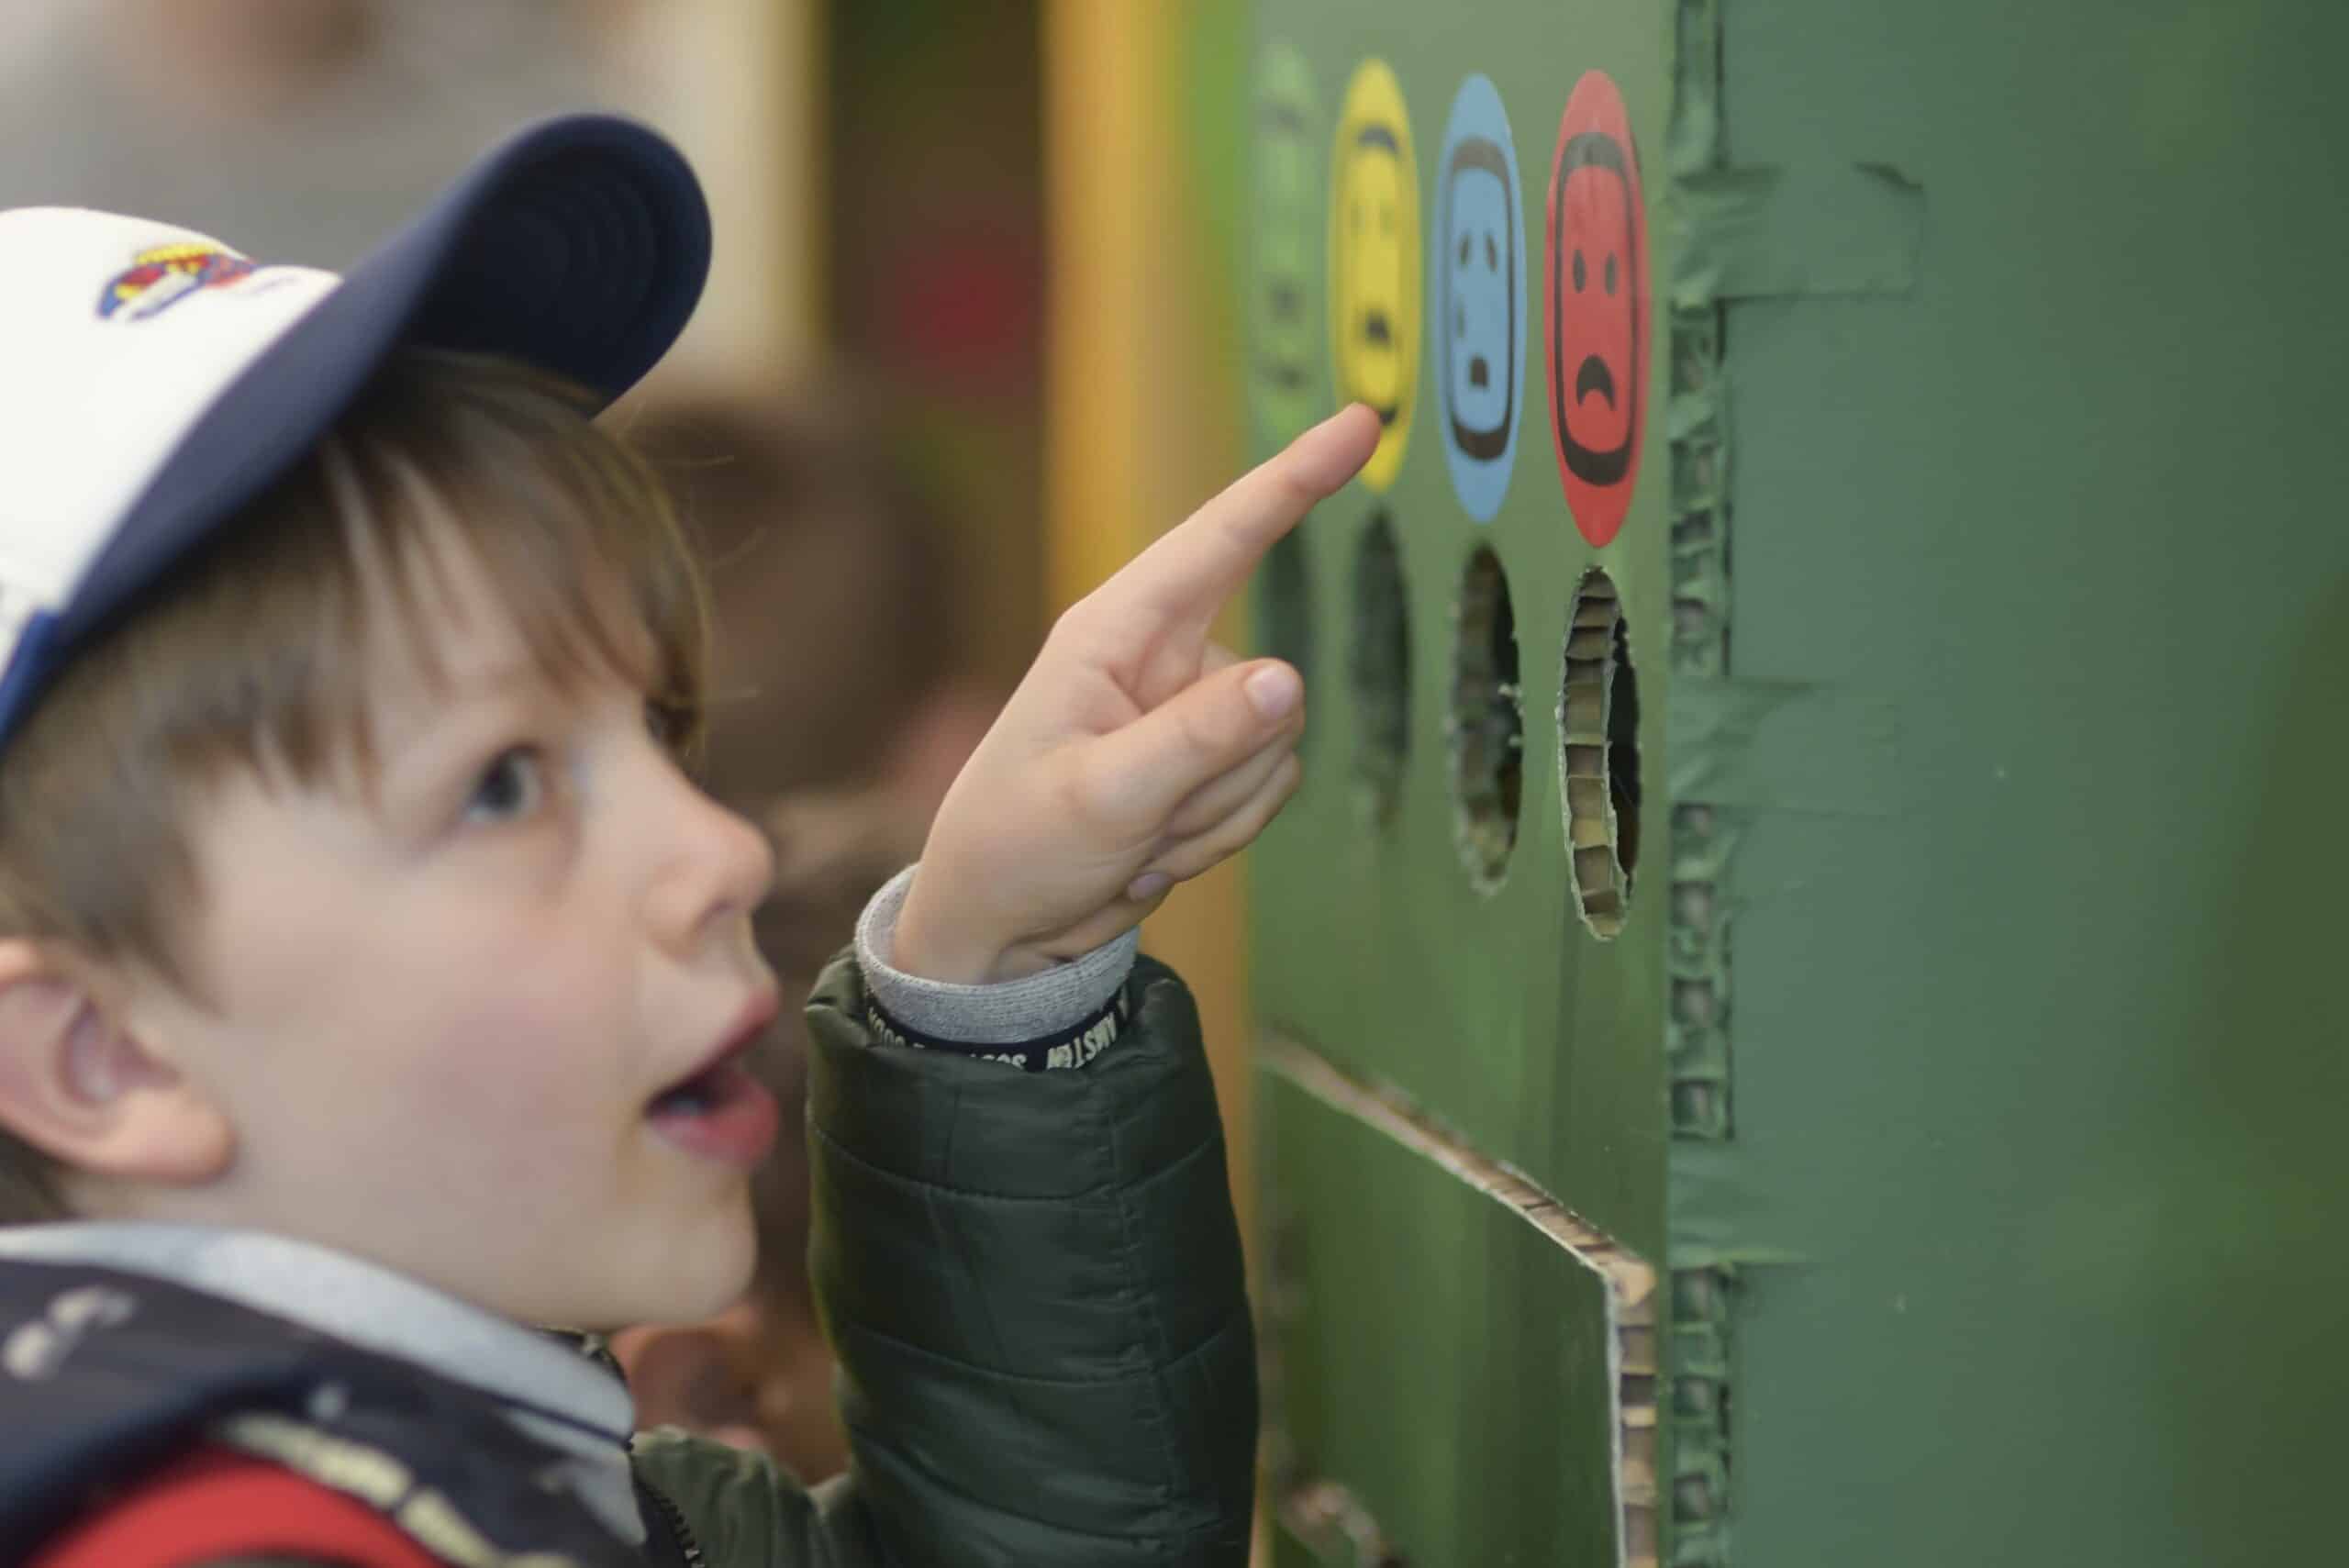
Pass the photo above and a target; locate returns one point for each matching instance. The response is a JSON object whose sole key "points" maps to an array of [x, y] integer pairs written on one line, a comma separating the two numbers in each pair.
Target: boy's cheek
{"points": [[505, 1092], [525, 1090]]}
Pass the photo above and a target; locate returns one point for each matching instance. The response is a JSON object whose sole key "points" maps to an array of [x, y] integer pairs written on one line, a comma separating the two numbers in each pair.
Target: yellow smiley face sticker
{"points": [[1375, 261]]}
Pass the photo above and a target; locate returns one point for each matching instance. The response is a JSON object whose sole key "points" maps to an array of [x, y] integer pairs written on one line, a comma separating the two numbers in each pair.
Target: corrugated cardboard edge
{"points": [[1628, 1281], [1703, 836]]}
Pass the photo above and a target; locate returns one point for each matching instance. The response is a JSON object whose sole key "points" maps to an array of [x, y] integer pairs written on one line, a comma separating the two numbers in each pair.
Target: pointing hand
{"points": [[1135, 754]]}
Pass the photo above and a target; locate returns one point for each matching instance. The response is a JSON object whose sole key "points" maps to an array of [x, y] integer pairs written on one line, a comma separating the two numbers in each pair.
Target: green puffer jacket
{"points": [[1033, 1284]]}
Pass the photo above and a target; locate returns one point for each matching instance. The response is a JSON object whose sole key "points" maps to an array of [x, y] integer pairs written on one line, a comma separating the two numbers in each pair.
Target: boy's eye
{"points": [[670, 722], [509, 788]]}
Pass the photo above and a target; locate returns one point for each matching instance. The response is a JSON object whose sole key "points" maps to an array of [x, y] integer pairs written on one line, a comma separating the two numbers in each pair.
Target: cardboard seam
{"points": [[1697, 1028]]}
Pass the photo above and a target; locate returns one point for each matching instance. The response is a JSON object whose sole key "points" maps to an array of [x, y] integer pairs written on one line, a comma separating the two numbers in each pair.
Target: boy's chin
{"points": [[706, 1270]]}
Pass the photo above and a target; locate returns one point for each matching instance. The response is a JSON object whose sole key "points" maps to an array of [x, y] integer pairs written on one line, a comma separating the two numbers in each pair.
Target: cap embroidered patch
{"points": [[577, 247], [159, 277]]}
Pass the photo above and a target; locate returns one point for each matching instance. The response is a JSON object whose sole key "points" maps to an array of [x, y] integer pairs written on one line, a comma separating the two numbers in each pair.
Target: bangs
{"points": [[572, 532], [265, 648]]}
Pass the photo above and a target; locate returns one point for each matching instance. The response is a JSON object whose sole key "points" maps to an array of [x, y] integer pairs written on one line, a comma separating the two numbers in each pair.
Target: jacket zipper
{"points": [[674, 1519]]}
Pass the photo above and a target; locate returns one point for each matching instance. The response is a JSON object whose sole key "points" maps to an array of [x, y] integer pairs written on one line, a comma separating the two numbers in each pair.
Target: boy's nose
{"points": [[721, 868]]}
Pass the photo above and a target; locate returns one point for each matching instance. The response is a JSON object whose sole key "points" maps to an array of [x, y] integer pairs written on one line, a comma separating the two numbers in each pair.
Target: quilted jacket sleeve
{"points": [[1033, 1284]]}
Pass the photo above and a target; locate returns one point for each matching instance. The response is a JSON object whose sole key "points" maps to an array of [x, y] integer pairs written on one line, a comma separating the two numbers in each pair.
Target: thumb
{"points": [[1143, 771]]}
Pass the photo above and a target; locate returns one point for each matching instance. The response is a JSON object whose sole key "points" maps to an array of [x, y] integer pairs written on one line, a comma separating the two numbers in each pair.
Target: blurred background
{"points": [[971, 338]]}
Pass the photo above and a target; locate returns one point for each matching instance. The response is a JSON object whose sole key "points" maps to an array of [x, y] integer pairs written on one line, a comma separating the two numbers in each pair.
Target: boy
{"points": [[372, 981]]}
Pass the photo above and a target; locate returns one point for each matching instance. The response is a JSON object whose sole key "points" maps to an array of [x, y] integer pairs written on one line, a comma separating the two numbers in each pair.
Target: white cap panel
{"points": [[158, 320]]}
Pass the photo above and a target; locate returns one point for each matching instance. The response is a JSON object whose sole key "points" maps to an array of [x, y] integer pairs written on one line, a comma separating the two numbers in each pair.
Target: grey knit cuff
{"points": [[1005, 1014]]}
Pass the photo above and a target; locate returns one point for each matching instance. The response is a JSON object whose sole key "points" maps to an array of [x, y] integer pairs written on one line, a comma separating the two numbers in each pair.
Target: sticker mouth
{"points": [[1593, 376], [1282, 375], [1375, 328]]}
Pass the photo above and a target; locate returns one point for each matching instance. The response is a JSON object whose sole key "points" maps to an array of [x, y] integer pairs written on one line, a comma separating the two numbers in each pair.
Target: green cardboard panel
{"points": [[1968, 1058], [1458, 993], [1435, 1349]]}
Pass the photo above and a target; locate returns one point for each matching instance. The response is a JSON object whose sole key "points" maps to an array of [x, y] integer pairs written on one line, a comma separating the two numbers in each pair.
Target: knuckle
{"points": [[1084, 786], [1191, 860], [1207, 727], [1072, 627], [1290, 489], [1194, 816], [1097, 795], [1092, 783]]}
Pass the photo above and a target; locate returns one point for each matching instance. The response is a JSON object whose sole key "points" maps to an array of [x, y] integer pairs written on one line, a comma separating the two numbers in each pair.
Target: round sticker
{"points": [[1282, 375], [1477, 333], [1596, 306], [1375, 261]]}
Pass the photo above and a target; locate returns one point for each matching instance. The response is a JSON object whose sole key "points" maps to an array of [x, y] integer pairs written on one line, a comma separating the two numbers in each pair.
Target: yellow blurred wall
{"points": [[1137, 404]]}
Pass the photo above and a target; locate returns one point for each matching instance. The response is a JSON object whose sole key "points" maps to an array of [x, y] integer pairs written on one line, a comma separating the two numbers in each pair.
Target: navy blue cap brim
{"points": [[579, 246]]}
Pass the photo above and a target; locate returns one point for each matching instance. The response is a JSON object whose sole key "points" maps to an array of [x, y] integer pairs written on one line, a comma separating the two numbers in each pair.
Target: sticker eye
{"points": [[1492, 252], [1610, 276], [1580, 276], [1464, 249]]}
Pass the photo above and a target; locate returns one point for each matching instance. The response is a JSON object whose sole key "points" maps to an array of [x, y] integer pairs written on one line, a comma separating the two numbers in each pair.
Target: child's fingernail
{"points": [[1273, 690], [1148, 885]]}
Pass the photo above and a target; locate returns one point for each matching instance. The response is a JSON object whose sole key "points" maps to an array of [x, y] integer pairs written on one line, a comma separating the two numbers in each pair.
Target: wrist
{"points": [[928, 947]]}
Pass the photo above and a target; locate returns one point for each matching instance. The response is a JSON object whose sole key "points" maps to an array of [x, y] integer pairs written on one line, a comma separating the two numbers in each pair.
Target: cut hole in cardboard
{"points": [[1487, 722], [1379, 669], [1598, 755]]}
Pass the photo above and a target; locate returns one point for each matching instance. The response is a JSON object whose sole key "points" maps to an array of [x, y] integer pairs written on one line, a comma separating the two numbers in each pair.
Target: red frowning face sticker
{"points": [[1597, 307]]}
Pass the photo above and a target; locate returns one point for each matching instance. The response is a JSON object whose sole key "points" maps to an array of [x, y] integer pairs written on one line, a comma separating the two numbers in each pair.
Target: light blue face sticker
{"points": [[1477, 324], [1478, 297]]}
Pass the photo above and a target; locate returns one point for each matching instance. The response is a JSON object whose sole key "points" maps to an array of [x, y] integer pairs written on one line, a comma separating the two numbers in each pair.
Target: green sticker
{"points": [[1284, 285]]}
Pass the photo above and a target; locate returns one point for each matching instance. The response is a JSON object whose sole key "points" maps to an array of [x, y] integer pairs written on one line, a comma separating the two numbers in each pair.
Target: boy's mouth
{"points": [[719, 1111]]}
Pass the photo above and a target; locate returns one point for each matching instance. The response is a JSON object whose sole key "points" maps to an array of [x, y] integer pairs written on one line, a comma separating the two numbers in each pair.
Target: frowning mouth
{"points": [[1593, 376]]}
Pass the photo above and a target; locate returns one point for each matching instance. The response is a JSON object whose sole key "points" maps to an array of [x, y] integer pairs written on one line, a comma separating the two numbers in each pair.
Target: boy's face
{"points": [[438, 1026]]}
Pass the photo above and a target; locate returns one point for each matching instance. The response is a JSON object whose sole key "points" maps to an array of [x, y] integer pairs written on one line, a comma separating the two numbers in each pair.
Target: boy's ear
{"points": [[79, 1086]]}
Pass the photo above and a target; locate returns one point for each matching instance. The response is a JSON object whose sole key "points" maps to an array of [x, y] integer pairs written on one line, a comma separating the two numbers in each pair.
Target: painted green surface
{"points": [[1416, 1334], [2027, 757], [2038, 1052], [1372, 944], [1426, 1372]]}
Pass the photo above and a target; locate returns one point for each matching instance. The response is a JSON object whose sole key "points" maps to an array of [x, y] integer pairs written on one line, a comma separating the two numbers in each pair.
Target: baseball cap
{"points": [[153, 380]]}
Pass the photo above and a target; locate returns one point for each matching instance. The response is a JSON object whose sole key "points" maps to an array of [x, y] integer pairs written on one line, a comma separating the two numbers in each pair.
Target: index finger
{"points": [[1189, 571]]}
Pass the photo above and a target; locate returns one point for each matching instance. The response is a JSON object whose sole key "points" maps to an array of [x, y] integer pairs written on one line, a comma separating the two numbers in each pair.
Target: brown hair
{"points": [[250, 654]]}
